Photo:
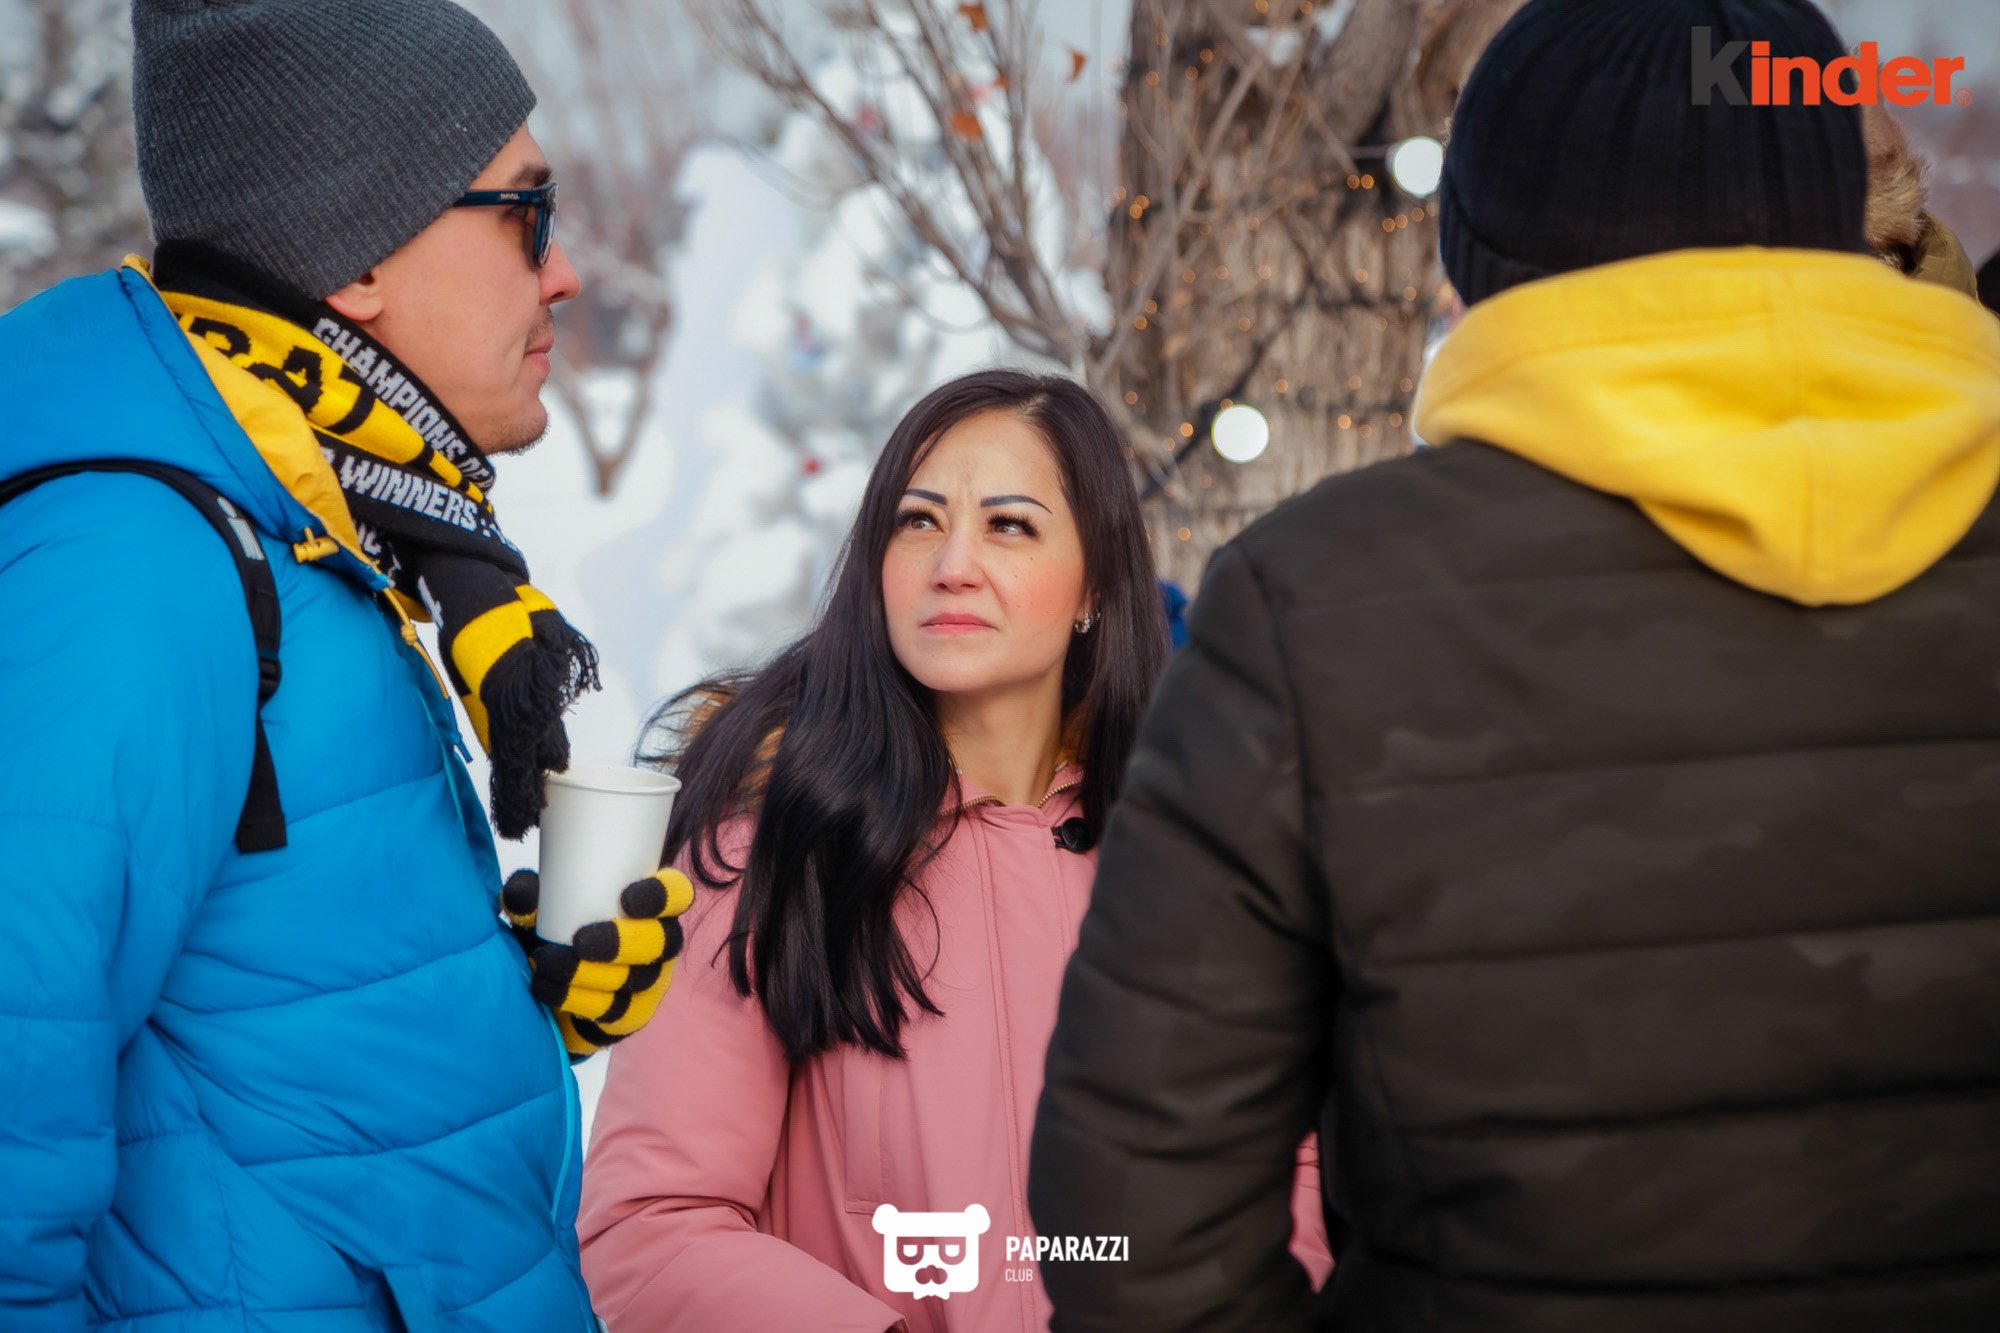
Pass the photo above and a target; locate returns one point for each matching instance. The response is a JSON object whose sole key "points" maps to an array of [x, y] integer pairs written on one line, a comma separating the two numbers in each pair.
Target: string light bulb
{"points": [[1417, 165], [1240, 433]]}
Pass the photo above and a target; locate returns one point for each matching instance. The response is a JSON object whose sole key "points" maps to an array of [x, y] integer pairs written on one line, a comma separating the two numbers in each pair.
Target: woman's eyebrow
{"points": [[988, 503], [992, 500]]}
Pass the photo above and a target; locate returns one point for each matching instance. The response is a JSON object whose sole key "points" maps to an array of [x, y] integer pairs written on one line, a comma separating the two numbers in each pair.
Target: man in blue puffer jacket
{"points": [[303, 1082]]}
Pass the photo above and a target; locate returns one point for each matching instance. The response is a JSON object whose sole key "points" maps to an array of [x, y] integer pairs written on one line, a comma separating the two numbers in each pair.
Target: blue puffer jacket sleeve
{"points": [[125, 743]]}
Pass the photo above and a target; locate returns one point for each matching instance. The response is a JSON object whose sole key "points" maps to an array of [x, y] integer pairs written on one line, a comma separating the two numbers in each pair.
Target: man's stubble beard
{"points": [[521, 442], [516, 444]]}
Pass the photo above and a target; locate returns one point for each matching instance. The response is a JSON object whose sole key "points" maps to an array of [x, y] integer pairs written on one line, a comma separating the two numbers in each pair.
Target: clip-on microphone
{"points": [[1073, 835]]}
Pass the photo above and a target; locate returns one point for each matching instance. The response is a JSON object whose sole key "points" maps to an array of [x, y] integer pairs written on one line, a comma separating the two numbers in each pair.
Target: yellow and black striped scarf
{"points": [[417, 489]]}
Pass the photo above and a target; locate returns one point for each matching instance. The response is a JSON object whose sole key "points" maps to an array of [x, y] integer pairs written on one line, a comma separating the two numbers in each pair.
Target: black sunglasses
{"points": [[542, 199]]}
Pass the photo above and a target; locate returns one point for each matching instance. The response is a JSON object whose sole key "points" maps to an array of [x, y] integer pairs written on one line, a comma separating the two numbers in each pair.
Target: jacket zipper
{"points": [[1057, 791], [1053, 792]]}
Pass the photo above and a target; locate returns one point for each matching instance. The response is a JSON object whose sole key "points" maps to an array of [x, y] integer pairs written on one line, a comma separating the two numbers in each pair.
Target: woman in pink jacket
{"points": [[829, 1129]]}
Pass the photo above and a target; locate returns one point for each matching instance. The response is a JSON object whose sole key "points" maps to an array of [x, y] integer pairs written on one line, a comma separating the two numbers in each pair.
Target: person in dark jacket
{"points": [[1590, 825], [273, 1061]]}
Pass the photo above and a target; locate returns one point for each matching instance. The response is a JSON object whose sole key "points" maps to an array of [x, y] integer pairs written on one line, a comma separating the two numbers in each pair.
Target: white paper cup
{"points": [[603, 828]]}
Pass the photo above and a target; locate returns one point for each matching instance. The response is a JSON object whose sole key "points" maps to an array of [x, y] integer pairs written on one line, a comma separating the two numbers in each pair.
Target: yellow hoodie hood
{"points": [[1806, 423]]}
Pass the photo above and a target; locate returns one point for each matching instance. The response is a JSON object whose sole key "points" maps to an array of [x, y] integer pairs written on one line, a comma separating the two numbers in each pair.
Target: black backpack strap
{"points": [[261, 827]]}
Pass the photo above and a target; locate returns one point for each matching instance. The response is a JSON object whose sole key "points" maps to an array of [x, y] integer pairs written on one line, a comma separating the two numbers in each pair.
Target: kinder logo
{"points": [[1856, 80], [930, 1254]]}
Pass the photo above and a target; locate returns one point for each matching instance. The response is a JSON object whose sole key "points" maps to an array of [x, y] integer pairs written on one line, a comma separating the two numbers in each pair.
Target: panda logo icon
{"points": [[930, 1254]]}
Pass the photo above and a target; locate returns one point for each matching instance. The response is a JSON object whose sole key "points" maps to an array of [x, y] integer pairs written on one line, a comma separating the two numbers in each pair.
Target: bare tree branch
{"points": [[1248, 252], [619, 126]]}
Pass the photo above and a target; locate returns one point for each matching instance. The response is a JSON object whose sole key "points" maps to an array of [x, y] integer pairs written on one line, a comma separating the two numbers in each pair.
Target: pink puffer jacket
{"points": [[729, 1192]]}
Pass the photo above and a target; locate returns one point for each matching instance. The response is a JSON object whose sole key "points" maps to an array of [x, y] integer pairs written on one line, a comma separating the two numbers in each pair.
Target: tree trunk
{"points": [[1304, 282]]}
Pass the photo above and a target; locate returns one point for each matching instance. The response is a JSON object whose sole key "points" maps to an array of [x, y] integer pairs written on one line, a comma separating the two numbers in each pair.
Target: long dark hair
{"points": [[834, 748]]}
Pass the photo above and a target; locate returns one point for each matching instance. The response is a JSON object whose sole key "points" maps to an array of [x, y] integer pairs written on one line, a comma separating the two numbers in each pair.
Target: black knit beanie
{"points": [[313, 138], [1578, 141]]}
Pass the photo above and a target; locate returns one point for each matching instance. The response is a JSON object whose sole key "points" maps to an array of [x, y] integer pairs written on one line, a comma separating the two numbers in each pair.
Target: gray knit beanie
{"points": [[314, 138]]}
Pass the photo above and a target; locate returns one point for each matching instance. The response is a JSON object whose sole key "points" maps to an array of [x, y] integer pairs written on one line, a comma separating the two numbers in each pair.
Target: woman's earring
{"points": [[1083, 626]]}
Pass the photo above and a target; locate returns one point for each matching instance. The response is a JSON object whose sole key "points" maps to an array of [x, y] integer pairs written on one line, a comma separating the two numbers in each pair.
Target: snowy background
{"points": [[804, 316], [809, 320]]}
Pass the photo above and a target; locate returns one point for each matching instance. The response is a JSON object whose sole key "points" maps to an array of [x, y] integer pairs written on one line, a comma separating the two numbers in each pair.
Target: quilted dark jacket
{"points": [[1631, 937]]}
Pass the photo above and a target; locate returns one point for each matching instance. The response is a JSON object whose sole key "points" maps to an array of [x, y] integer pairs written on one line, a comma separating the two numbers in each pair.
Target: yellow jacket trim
{"points": [[282, 436], [1806, 423]]}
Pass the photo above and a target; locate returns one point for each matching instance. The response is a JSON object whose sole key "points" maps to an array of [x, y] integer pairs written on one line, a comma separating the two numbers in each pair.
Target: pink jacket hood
{"points": [[728, 1190]]}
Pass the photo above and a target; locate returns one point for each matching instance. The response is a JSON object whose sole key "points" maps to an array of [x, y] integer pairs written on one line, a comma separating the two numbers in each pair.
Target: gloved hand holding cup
{"points": [[598, 921]]}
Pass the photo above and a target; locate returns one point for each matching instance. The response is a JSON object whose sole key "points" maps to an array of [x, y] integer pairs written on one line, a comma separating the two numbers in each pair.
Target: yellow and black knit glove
{"points": [[607, 981]]}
